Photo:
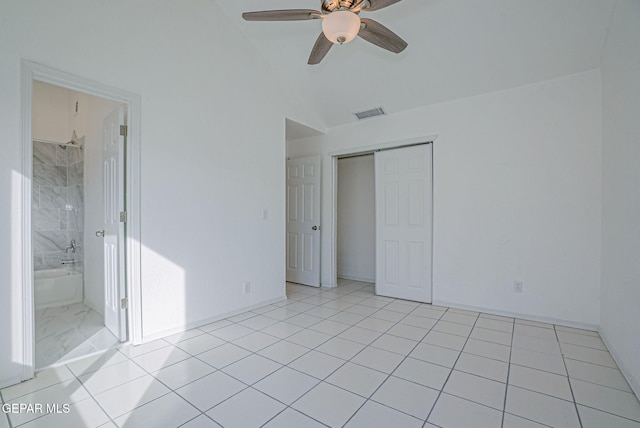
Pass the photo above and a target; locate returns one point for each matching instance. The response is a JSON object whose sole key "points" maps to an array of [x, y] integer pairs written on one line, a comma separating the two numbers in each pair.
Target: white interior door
{"points": [[303, 221], [404, 222], [113, 235]]}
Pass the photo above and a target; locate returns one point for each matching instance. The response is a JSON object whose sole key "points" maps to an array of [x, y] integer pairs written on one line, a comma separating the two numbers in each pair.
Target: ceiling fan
{"points": [[341, 23]]}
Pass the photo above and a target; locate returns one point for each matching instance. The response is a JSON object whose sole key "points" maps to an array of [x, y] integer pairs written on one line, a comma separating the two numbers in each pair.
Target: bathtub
{"points": [[57, 287]]}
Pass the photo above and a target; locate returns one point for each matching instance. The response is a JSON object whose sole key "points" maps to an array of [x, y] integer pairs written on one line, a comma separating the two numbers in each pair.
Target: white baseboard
{"points": [[356, 278], [631, 380], [196, 324], [548, 320], [94, 307]]}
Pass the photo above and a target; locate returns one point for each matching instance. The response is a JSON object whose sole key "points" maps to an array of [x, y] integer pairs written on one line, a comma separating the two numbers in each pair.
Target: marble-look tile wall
{"points": [[58, 205]]}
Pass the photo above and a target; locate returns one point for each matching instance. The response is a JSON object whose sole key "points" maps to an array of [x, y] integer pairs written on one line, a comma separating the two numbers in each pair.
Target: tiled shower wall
{"points": [[58, 205]]}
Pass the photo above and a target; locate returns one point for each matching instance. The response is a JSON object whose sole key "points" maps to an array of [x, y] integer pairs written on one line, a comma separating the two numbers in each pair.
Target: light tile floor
{"points": [[67, 332], [343, 357]]}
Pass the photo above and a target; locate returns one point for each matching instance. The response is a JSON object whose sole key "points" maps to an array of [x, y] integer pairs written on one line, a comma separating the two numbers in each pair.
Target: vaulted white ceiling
{"points": [[457, 48]]}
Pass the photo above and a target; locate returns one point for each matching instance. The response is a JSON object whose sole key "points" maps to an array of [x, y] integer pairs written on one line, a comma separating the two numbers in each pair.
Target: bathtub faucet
{"points": [[73, 247]]}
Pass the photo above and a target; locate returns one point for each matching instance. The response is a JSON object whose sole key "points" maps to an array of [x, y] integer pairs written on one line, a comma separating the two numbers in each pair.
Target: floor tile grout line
{"points": [[6, 415], [506, 388], [130, 380], [194, 418], [493, 329], [294, 410], [29, 421], [530, 420], [637, 421], [473, 401], [474, 338], [536, 368], [41, 389], [435, 403], [580, 331], [543, 393], [601, 385], [583, 346], [477, 375], [175, 391], [147, 373], [397, 410], [573, 396], [388, 375], [92, 396]]}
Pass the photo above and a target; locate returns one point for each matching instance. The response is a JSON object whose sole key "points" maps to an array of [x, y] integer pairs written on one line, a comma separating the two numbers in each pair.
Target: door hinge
{"points": [[124, 303], [123, 130], [123, 216]]}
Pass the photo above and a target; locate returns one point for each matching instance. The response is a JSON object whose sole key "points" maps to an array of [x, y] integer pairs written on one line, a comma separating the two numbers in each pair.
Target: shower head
{"points": [[73, 142], [74, 139]]}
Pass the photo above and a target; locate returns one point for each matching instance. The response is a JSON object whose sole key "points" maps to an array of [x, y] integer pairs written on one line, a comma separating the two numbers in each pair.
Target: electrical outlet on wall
{"points": [[517, 286], [246, 287]]}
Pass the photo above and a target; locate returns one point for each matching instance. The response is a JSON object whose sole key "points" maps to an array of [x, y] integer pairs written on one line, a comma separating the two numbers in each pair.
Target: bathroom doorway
{"points": [[81, 284], [67, 207]]}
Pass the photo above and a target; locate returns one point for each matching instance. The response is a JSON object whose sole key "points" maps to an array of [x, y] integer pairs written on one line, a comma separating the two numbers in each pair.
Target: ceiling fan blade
{"points": [[282, 15], [379, 35], [379, 4], [320, 50]]}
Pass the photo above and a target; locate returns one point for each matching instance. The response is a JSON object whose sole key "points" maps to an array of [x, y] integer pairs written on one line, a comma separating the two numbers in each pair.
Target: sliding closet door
{"points": [[404, 222]]}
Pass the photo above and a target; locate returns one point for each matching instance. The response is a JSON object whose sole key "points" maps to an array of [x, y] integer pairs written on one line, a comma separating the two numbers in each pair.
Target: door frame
{"points": [[31, 71], [333, 221]]}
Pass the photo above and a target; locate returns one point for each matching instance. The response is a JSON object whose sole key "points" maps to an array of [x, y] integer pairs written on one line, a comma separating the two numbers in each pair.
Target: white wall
{"points": [[212, 151], [50, 115], [621, 190], [517, 195], [356, 243]]}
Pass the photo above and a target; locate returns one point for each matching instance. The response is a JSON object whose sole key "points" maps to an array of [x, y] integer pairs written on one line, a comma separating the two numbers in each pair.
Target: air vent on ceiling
{"points": [[370, 113]]}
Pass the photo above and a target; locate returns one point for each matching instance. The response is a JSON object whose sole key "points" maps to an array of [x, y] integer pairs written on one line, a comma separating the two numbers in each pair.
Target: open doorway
{"points": [[81, 292], [68, 206], [355, 220]]}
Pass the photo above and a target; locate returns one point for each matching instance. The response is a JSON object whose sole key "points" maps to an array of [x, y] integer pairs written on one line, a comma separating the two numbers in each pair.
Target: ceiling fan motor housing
{"points": [[329, 6]]}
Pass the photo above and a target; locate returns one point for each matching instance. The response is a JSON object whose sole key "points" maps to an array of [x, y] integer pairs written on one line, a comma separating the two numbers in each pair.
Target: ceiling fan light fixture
{"points": [[341, 26]]}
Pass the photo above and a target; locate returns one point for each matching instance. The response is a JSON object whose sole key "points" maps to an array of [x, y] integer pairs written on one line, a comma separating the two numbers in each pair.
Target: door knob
{"points": [[100, 233], [314, 228]]}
